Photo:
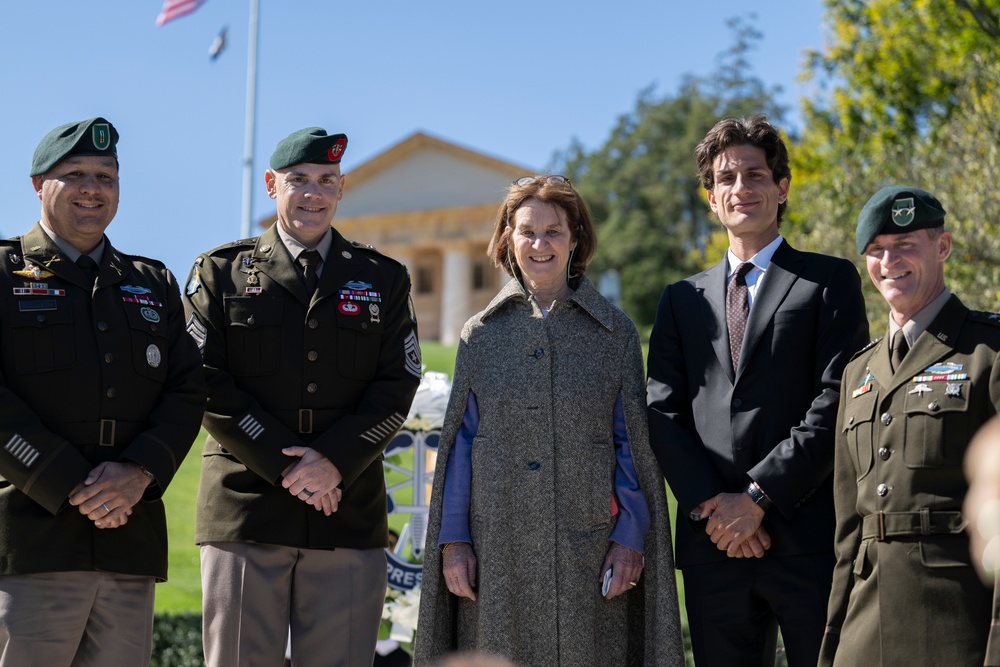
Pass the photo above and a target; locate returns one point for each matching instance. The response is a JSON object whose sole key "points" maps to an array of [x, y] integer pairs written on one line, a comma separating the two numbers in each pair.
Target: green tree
{"points": [[642, 186], [914, 99]]}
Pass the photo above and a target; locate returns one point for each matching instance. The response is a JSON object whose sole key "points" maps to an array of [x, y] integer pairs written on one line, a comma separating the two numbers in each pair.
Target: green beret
{"points": [[897, 209], [94, 136], [311, 145]]}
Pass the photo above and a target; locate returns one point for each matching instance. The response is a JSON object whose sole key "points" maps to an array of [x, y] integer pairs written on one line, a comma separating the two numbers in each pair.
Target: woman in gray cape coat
{"points": [[545, 485]]}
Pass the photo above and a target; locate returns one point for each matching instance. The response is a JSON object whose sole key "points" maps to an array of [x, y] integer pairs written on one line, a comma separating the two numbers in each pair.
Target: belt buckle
{"points": [[107, 434], [881, 526], [305, 420]]}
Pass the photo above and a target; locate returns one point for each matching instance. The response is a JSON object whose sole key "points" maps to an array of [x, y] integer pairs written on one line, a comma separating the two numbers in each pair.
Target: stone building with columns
{"points": [[431, 204]]}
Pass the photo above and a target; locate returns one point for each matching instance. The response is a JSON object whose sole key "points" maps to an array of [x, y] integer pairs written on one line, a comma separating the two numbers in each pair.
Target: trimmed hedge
{"points": [[177, 641]]}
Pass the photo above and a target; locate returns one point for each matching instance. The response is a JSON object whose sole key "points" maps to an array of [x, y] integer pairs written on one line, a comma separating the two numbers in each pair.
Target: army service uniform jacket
{"points": [[335, 370], [904, 589], [88, 373]]}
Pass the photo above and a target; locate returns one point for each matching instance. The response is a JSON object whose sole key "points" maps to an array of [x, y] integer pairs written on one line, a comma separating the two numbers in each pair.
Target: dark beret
{"points": [[94, 136], [311, 145], [897, 209]]}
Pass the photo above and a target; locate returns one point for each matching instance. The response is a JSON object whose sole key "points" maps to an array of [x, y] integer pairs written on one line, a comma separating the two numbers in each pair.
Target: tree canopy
{"points": [[642, 184], [905, 92]]}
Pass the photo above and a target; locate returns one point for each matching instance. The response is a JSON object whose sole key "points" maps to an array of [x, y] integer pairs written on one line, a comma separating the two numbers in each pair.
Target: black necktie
{"points": [[88, 265], [898, 350], [310, 260], [737, 310]]}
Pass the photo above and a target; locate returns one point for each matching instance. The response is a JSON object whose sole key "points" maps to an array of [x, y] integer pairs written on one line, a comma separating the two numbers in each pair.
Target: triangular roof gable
{"points": [[423, 172]]}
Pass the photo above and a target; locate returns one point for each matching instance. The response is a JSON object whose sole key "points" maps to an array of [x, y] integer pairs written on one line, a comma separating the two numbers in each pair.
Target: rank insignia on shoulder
{"points": [[32, 271], [411, 349], [195, 282], [198, 331]]}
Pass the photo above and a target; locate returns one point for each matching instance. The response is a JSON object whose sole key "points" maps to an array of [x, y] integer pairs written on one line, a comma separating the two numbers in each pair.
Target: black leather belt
{"points": [[884, 525]]}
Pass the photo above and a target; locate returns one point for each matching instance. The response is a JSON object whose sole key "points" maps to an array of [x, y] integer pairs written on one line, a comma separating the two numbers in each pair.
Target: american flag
{"points": [[174, 9]]}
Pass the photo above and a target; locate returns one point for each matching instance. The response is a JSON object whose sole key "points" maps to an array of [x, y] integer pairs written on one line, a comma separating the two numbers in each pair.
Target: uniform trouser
{"points": [[76, 619], [736, 606], [253, 593]]}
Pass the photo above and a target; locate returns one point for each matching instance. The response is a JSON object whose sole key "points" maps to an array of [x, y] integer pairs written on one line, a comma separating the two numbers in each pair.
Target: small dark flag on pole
{"points": [[218, 44], [174, 9]]}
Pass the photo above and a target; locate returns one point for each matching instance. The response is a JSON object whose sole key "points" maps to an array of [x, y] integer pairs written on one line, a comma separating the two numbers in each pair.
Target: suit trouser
{"points": [[736, 606], [76, 619], [331, 599]]}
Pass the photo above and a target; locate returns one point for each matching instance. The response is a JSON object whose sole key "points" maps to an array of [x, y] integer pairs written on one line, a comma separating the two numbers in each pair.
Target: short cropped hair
{"points": [[754, 131]]}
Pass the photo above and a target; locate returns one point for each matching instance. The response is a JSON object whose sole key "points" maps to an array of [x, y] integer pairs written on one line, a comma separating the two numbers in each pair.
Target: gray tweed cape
{"points": [[543, 467]]}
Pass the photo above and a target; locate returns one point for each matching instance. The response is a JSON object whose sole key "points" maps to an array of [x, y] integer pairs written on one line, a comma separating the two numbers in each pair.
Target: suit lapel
{"points": [[781, 274], [714, 287]]}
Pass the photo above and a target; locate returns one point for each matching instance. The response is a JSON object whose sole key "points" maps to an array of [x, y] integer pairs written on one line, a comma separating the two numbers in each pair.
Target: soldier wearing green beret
{"points": [[311, 355], [904, 589], [101, 395]]}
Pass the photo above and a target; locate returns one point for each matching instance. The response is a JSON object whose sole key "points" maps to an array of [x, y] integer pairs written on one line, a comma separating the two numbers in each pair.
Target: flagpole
{"points": [[250, 129]]}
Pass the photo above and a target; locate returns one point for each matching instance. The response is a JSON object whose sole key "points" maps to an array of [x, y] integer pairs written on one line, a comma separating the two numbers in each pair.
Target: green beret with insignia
{"points": [[311, 145], [94, 136], [897, 209]]}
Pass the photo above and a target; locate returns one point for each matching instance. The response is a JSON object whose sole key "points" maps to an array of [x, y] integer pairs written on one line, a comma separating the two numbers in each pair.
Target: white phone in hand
{"points": [[606, 586]]}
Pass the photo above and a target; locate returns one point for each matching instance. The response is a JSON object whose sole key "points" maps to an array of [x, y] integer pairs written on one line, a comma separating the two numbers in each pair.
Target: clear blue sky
{"points": [[515, 80]]}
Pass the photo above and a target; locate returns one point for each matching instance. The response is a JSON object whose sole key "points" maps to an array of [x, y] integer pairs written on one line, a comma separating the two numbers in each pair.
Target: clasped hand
{"points": [[734, 525], [109, 493], [313, 479]]}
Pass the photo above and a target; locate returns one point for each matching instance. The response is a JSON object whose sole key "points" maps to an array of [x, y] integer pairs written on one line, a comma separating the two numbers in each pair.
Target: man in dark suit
{"points": [[311, 356], [744, 376], [904, 590], [101, 395]]}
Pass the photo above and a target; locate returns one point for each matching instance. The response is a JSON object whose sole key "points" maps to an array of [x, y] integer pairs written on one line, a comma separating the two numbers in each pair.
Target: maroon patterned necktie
{"points": [[737, 310]]}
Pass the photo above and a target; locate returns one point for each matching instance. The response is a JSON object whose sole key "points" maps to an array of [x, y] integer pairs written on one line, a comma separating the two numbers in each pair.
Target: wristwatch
{"points": [[758, 496], [152, 480]]}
